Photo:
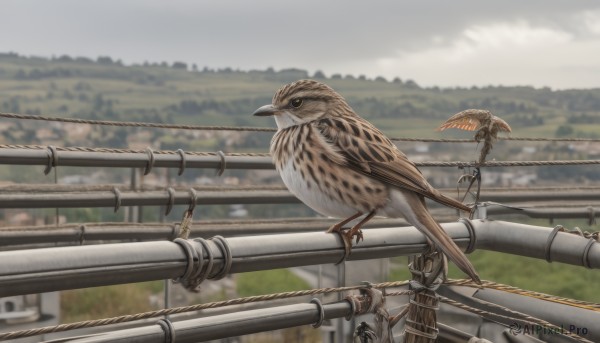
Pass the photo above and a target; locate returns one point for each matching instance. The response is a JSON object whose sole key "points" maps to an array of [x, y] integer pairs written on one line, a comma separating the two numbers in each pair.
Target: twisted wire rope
{"points": [[258, 129]]}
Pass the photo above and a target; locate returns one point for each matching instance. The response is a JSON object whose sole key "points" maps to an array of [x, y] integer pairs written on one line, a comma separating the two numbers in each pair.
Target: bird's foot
{"points": [[335, 228], [347, 239], [347, 235], [355, 232]]}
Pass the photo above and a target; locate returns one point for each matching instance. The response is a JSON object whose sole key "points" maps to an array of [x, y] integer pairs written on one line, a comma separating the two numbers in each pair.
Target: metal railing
{"points": [[44, 270]]}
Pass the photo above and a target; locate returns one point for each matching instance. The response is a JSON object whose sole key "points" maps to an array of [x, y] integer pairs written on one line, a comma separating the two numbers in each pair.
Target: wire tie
{"points": [[431, 307], [352, 301], [423, 325], [416, 332], [417, 287], [321, 310], [52, 159], [168, 328], [183, 162], [197, 274], [82, 234], [366, 284], [551, 236], [586, 252], [188, 215], [221, 242], [189, 254], [472, 234], [171, 192], [193, 199], [223, 164], [150, 162], [184, 231], [203, 274], [117, 198]]}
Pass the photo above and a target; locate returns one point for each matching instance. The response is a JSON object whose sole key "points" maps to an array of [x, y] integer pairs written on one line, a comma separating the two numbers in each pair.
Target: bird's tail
{"points": [[422, 220]]}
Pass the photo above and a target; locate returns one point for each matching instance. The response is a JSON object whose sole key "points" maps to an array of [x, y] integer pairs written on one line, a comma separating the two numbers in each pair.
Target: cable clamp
{"points": [[52, 159], [551, 236], [168, 328], [223, 164], [586, 252], [150, 162], [321, 310], [222, 244], [117, 198], [183, 162], [472, 234], [171, 202]]}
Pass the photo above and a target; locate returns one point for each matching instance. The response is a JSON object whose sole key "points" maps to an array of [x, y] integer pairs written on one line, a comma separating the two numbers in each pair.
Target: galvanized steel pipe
{"points": [[227, 325], [50, 269]]}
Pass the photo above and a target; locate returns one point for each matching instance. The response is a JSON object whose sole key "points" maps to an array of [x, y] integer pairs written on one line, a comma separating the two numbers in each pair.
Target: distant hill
{"points": [[178, 93]]}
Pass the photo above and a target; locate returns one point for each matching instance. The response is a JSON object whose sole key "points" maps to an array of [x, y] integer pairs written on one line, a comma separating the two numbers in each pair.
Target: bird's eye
{"points": [[296, 102]]}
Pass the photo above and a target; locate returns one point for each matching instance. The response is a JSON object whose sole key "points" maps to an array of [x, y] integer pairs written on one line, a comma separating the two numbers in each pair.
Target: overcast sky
{"points": [[445, 43]]}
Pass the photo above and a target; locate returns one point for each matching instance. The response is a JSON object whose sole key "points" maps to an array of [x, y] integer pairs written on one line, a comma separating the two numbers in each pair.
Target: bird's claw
{"points": [[358, 234], [347, 235], [343, 233]]}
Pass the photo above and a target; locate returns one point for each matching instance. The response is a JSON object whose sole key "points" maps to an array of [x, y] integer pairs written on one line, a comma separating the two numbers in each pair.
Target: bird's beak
{"points": [[266, 110]]}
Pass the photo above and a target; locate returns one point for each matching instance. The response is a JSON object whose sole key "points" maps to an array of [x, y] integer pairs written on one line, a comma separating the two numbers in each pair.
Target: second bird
{"points": [[342, 166]]}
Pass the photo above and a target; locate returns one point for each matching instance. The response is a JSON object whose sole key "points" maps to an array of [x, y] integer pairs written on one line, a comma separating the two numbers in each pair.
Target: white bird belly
{"points": [[312, 196]]}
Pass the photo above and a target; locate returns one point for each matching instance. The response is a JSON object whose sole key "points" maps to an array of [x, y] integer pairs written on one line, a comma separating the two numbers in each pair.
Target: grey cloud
{"points": [[254, 34]]}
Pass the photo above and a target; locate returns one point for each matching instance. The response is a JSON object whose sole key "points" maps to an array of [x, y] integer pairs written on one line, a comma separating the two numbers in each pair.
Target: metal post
{"points": [[341, 282], [134, 211]]}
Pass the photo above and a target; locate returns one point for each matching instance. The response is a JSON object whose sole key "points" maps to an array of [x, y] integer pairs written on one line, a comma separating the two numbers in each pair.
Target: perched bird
{"points": [[342, 166]]}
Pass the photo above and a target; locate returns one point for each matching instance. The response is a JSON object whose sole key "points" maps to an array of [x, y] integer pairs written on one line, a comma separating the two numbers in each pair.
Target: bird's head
{"points": [[304, 101]]}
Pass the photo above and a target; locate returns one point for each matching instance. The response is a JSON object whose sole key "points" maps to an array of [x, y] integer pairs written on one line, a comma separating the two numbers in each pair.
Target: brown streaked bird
{"points": [[342, 166]]}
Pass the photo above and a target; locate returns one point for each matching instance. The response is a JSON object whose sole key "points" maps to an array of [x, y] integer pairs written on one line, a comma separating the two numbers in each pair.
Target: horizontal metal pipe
{"points": [[82, 234], [147, 198], [532, 241], [560, 314], [50, 269], [228, 325], [129, 160], [82, 157], [548, 213], [569, 318], [86, 233], [225, 197], [538, 195]]}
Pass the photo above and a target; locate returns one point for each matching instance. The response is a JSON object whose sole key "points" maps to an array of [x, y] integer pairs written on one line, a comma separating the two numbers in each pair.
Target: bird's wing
{"points": [[469, 120], [473, 119], [368, 151]]}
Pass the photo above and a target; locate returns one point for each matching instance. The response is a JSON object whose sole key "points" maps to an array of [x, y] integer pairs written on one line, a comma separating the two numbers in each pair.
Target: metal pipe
{"points": [[547, 213], [80, 234], [40, 157], [50, 269], [569, 318], [532, 241], [225, 197], [538, 195], [147, 198], [83, 157], [565, 316], [227, 325]]}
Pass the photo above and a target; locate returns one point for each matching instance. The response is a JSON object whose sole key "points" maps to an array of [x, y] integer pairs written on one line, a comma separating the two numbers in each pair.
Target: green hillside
{"points": [[178, 93]]}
